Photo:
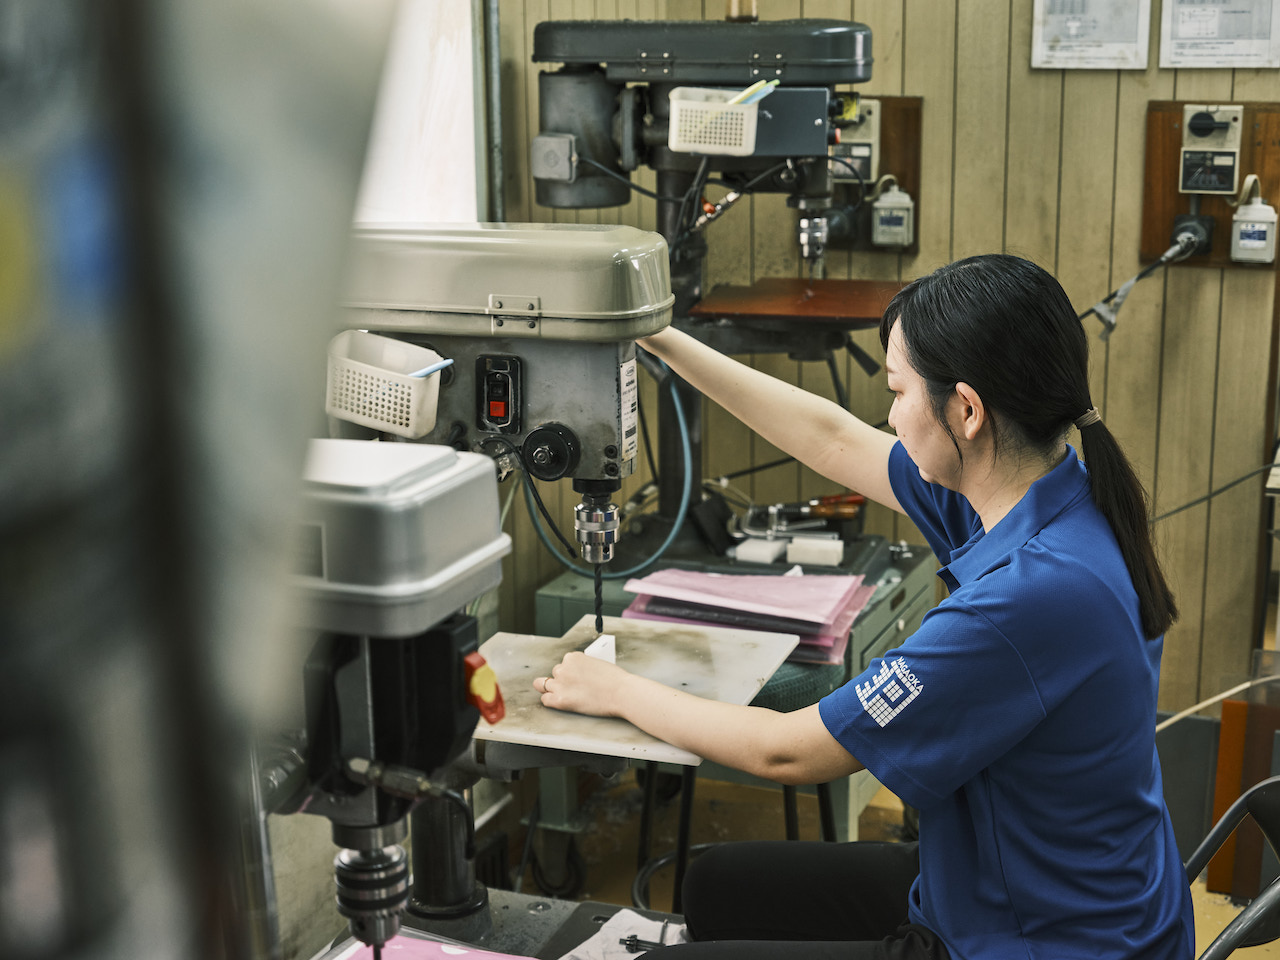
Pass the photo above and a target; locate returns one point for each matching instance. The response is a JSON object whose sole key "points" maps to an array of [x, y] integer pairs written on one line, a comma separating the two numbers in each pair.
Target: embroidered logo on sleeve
{"points": [[891, 689]]}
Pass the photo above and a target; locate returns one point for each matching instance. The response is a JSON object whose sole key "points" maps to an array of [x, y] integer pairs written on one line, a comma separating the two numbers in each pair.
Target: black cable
{"points": [[1209, 496], [537, 498], [853, 168], [757, 468], [1144, 272], [644, 435], [862, 184], [527, 854], [617, 176], [775, 463], [684, 219], [542, 509], [746, 187]]}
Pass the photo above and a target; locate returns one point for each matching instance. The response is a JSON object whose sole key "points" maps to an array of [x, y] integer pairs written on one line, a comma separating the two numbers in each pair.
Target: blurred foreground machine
{"points": [[528, 331]]}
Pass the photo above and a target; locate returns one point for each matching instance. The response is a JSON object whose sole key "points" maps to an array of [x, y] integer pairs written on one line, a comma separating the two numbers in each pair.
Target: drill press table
{"points": [[712, 662]]}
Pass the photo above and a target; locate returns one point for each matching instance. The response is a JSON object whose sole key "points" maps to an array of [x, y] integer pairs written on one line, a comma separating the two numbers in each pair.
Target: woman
{"points": [[1019, 718]]}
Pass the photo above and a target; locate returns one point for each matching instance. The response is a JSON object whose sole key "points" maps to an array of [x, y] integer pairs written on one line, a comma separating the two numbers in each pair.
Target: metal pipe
{"points": [[493, 120]]}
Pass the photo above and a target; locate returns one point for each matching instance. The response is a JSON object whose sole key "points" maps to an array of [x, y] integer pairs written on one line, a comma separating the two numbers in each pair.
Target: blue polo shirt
{"points": [[1020, 720]]}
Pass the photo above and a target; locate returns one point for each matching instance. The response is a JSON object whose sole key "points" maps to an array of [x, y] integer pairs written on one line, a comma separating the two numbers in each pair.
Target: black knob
{"points": [[550, 452], [1203, 123]]}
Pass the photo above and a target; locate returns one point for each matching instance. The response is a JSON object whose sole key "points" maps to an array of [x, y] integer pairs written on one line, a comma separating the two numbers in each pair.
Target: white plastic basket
{"points": [[369, 384], [703, 122]]}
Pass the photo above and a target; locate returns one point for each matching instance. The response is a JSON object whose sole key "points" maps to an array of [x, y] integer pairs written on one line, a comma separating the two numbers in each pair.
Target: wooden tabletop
{"points": [[847, 303]]}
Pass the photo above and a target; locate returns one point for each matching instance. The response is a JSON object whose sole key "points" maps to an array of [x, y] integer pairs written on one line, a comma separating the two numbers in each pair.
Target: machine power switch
{"points": [[482, 688], [499, 381]]}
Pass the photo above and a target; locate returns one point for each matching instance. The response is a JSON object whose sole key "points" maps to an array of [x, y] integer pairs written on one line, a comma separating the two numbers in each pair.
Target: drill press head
{"points": [[544, 377]]}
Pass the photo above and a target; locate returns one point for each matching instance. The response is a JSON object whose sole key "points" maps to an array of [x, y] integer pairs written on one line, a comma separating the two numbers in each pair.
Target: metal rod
{"points": [[688, 778], [646, 814], [826, 812], [790, 813], [493, 94]]}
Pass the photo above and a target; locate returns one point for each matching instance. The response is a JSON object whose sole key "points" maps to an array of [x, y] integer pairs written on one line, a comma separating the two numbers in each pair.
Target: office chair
{"points": [[1250, 927]]}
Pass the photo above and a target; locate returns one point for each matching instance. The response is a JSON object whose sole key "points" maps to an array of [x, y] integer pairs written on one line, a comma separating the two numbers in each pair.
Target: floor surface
{"points": [[725, 811]]}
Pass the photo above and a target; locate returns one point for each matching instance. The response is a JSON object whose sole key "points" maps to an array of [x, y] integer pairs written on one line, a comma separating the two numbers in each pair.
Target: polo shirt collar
{"points": [[1046, 498]]}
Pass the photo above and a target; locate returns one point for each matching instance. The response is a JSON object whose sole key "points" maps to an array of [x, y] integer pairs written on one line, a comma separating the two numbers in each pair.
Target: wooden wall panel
{"points": [[1047, 164], [1128, 400], [1033, 152], [929, 65], [981, 117]]}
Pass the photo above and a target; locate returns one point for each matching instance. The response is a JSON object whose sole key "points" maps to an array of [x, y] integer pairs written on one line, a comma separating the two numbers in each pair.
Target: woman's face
{"points": [[912, 419]]}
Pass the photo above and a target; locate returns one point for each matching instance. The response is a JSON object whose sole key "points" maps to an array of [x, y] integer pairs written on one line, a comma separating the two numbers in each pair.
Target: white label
{"points": [[628, 398], [1253, 235]]}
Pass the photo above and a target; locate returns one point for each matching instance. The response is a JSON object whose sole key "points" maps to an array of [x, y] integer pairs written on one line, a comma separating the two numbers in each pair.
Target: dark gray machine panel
{"points": [[796, 52]]}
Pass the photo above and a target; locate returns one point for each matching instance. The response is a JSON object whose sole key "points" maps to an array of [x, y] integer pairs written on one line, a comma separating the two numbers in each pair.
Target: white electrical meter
{"points": [[1210, 155], [1253, 233], [893, 219]]}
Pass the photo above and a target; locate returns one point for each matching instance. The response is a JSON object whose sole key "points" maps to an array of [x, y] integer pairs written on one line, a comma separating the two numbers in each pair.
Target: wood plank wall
{"points": [[1046, 164]]}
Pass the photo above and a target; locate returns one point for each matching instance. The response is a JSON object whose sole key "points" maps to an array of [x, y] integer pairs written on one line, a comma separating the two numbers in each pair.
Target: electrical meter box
{"points": [[540, 321], [395, 537], [1210, 156]]}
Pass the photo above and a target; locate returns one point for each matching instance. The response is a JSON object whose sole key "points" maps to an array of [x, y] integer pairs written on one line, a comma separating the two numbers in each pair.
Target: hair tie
{"points": [[1088, 418]]}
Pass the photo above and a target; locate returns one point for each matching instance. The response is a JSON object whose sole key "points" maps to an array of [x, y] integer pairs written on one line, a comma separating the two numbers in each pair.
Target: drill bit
{"points": [[599, 599], [377, 951]]}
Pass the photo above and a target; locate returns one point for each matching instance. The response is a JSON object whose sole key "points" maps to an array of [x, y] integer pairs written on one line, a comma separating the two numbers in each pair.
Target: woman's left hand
{"points": [[582, 684]]}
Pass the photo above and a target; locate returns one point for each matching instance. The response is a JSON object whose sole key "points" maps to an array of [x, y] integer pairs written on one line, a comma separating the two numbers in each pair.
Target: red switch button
{"points": [[482, 688], [498, 409]]}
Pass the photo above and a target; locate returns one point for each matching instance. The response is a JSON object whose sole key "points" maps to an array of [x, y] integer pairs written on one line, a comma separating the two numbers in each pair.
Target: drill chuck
{"points": [[595, 524], [373, 888]]}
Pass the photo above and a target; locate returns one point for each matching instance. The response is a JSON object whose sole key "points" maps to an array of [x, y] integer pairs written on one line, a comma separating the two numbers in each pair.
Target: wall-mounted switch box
{"points": [[1248, 130], [859, 147], [1210, 157]]}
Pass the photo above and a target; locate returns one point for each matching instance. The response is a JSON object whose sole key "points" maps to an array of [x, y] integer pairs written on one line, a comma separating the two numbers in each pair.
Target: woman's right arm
{"points": [[820, 434]]}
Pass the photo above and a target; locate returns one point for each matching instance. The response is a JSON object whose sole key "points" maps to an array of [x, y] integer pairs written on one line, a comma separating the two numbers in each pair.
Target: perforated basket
{"points": [[703, 122], [369, 384]]}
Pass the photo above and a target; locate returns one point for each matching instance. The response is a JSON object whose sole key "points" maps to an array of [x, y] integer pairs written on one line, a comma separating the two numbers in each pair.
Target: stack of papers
{"points": [[819, 609]]}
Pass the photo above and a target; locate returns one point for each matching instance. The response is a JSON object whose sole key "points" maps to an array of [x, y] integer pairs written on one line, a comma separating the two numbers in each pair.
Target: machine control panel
{"points": [[1210, 160]]}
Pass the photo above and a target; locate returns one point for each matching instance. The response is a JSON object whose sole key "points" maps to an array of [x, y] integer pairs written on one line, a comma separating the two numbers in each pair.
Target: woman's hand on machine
{"points": [[582, 684]]}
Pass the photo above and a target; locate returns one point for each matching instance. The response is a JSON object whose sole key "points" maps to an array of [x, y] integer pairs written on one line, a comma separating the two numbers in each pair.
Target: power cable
{"points": [[1209, 496], [685, 496], [634, 186]]}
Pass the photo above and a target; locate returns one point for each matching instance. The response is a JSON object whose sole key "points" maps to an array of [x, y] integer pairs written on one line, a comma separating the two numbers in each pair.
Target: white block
{"points": [[604, 647], [822, 553], [755, 550]]}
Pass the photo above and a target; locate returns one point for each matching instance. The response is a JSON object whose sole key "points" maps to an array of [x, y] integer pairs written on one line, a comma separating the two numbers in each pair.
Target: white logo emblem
{"points": [[891, 689]]}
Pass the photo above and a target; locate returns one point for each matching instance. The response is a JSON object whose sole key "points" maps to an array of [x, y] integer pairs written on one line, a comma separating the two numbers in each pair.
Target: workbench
{"points": [[904, 594]]}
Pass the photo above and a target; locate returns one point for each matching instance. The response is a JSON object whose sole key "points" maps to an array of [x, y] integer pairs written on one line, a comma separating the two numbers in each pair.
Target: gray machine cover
{"points": [[395, 537], [555, 281]]}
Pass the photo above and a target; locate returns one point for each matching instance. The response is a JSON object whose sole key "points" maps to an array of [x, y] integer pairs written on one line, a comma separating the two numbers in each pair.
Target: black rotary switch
{"points": [[1203, 123]]}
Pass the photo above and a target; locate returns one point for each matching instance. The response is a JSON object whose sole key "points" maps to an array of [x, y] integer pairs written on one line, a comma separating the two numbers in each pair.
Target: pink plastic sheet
{"points": [[408, 948], [826, 643], [816, 599]]}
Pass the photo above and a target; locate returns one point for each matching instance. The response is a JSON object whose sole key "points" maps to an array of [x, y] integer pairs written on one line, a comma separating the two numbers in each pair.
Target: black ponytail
{"points": [[1120, 497], [1004, 326]]}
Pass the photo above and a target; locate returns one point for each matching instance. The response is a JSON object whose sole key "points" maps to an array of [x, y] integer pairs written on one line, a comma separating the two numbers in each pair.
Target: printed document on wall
{"points": [[1090, 34], [1219, 33]]}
